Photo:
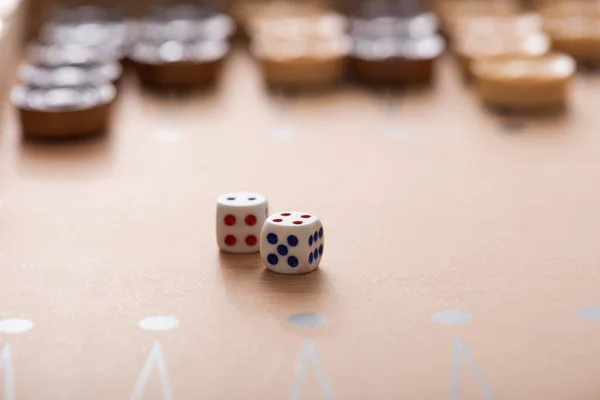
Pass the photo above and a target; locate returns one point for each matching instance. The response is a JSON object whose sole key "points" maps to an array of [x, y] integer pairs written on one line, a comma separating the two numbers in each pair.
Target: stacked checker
{"points": [[449, 11], [574, 27], [68, 84], [181, 46], [479, 37], [525, 84], [307, 50], [249, 13], [394, 43], [509, 57]]}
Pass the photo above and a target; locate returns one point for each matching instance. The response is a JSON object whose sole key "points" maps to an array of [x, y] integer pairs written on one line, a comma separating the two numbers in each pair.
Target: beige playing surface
{"points": [[428, 203]]}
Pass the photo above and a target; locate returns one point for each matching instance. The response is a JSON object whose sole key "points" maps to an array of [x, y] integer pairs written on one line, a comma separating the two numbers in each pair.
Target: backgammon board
{"points": [[462, 259]]}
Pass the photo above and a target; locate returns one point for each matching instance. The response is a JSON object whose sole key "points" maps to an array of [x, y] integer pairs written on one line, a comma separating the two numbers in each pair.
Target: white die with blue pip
{"points": [[292, 243]]}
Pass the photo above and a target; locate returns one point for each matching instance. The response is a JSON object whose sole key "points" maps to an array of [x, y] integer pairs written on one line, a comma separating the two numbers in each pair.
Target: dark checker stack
{"points": [[67, 86], [395, 42], [183, 45]]}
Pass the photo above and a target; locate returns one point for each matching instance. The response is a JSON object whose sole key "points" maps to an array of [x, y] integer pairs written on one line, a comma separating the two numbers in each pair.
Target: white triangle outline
{"points": [[9, 378], [309, 354], [459, 351], [155, 357]]}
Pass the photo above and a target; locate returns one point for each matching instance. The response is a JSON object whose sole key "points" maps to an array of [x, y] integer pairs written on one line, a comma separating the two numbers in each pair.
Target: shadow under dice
{"points": [[240, 217], [292, 243]]}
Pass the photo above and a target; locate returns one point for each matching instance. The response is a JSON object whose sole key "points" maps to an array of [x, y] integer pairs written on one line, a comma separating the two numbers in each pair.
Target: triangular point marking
{"points": [[309, 354], [155, 357], [6, 365], [460, 350]]}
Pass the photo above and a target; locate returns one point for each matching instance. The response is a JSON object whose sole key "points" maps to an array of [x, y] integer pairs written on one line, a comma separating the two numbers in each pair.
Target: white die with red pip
{"points": [[292, 243], [240, 217]]}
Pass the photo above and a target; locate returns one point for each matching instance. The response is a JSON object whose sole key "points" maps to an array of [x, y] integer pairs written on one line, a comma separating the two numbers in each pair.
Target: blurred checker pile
{"points": [[298, 46], [181, 45], [516, 55], [68, 82], [394, 42], [514, 60], [309, 45]]}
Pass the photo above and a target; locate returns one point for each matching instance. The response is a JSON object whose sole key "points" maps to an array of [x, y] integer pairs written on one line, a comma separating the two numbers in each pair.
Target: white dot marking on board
{"points": [[14, 326], [159, 323], [283, 130], [169, 136], [451, 317], [590, 313], [394, 129], [307, 320]]}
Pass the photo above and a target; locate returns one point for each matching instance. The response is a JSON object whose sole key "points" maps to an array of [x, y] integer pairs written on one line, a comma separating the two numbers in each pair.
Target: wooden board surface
{"points": [[430, 204]]}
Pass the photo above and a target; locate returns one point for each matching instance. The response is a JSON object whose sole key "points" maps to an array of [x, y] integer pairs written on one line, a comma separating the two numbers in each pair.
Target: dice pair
{"points": [[289, 242]]}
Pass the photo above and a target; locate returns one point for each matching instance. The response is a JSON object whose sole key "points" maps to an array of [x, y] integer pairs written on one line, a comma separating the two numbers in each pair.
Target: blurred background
{"points": [[78, 49]]}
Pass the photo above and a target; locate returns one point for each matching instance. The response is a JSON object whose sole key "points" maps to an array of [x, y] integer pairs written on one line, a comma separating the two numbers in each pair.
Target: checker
{"points": [[392, 60], [319, 26], [64, 111], [177, 64], [417, 27], [518, 25], [470, 49], [449, 10], [387, 8], [187, 28], [59, 55], [249, 14], [578, 36], [314, 60], [525, 84], [35, 75]]}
